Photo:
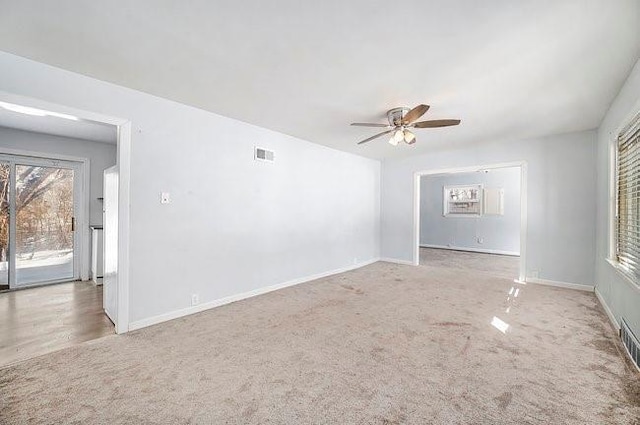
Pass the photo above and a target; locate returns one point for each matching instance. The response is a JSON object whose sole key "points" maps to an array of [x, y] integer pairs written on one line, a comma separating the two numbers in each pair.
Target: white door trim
{"points": [[124, 163], [474, 168]]}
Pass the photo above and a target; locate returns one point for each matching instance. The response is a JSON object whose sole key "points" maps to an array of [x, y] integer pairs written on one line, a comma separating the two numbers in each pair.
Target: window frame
{"points": [[445, 200], [614, 149]]}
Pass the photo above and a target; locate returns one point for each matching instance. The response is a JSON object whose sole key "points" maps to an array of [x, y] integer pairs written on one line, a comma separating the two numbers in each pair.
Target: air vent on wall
{"points": [[630, 342], [262, 154]]}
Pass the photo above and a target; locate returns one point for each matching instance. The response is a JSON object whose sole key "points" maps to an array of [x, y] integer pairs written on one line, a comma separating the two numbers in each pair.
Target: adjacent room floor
{"points": [[385, 344], [499, 265], [36, 321]]}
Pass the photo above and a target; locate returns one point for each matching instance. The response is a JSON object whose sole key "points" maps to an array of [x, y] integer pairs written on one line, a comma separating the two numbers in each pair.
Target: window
{"points": [[463, 201], [627, 223]]}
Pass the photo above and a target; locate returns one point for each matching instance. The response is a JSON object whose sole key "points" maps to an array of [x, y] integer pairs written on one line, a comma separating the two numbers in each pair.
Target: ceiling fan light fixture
{"points": [[400, 121], [409, 137]]}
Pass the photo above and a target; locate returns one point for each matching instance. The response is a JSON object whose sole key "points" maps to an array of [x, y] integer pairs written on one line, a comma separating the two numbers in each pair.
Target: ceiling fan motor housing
{"points": [[395, 115]]}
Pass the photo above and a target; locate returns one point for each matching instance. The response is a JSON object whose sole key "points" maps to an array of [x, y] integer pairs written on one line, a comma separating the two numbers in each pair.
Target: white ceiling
{"points": [[508, 69], [80, 129]]}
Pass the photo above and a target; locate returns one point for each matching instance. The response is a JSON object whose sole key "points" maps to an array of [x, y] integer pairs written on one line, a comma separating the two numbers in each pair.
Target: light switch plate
{"points": [[165, 198]]}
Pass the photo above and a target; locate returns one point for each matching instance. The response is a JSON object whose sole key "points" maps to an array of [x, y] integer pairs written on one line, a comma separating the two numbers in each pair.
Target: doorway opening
{"points": [[472, 217], [52, 171]]}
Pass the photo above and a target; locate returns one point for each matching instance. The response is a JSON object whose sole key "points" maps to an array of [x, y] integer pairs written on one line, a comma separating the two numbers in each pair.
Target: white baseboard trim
{"points": [[143, 323], [607, 310], [481, 250], [579, 287], [397, 261]]}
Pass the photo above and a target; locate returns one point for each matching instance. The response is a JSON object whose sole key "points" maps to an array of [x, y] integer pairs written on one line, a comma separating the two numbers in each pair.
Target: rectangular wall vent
{"points": [[262, 154], [630, 342]]}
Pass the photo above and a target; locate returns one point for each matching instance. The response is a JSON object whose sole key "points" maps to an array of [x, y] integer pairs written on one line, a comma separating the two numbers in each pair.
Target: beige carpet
{"points": [[506, 266], [385, 344]]}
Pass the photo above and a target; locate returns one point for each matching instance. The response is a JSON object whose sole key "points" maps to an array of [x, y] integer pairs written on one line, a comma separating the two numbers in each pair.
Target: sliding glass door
{"points": [[5, 187], [37, 221], [44, 224]]}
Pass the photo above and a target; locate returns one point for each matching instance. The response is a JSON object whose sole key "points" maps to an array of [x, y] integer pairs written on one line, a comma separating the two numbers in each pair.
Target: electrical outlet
{"points": [[480, 240], [355, 260], [195, 299], [165, 198]]}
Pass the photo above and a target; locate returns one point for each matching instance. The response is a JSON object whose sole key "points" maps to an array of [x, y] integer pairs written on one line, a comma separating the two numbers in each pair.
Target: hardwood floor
{"points": [[40, 320]]}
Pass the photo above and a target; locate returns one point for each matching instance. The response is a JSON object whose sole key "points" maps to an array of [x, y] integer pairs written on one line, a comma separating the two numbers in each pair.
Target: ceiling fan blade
{"points": [[435, 123], [368, 124], [376, 136], [415, 113]]}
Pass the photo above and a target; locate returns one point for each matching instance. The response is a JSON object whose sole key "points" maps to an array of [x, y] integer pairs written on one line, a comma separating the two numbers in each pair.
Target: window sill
{"points": [[630, 279]]}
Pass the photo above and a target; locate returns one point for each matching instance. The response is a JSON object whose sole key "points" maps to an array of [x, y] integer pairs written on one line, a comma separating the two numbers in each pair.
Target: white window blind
{"points": [[628, 199]]}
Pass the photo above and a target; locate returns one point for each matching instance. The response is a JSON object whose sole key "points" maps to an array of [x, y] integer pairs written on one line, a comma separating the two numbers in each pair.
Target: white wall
{"points": [[561, 206], [498, 233], [100, 155], [621, 297], [234, 224]]}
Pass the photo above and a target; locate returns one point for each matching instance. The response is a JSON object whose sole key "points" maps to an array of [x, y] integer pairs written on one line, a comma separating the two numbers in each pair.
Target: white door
{"points": [[45, 237], [110, 240], [40, 212]]}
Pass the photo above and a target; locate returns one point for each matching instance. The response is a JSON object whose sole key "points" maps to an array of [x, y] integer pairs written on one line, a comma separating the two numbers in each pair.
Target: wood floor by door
{"points": [[40, 320]]}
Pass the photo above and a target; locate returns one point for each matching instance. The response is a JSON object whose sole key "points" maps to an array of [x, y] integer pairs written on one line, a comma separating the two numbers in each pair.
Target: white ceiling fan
{"points": [[401, 120]]}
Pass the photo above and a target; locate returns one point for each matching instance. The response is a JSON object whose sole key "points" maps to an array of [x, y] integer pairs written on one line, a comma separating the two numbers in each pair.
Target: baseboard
{"points": [[607, 310], [579, 287], [143, 323], [481, 250], [397, 261]]}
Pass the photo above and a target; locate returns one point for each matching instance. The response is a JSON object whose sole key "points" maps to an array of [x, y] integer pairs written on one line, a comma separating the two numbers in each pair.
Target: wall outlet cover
{"points": [[165, 198], [195, 299]]}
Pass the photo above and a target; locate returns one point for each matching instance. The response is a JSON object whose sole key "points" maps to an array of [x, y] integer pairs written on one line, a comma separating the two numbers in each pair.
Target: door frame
{"points": [[469, 169], [123, 160], [81, 187]]}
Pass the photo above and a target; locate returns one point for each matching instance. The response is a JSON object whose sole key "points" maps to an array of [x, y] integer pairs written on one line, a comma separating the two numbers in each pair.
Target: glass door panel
{"points": [[44, 224], [5, 187]]}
